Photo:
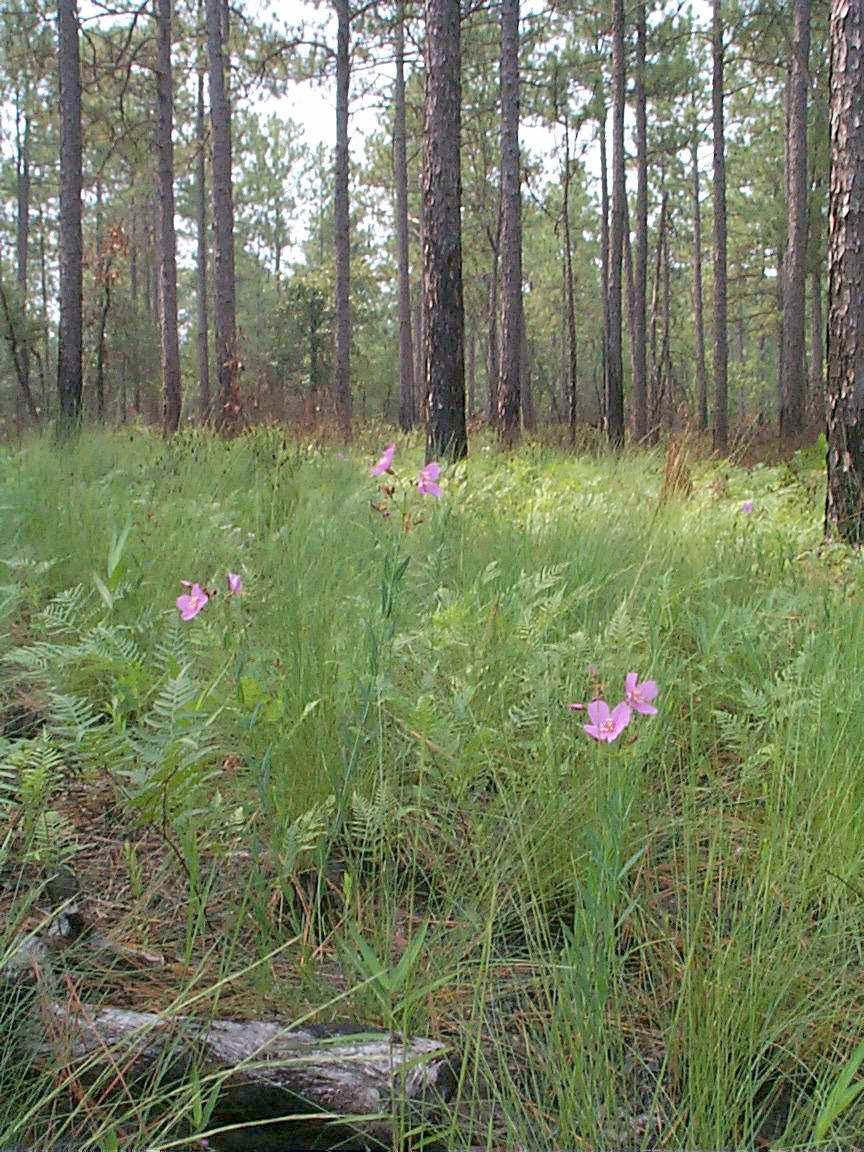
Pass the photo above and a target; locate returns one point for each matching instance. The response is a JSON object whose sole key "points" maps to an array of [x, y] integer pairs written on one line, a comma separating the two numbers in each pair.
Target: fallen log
{"points": [[341, 1084]]}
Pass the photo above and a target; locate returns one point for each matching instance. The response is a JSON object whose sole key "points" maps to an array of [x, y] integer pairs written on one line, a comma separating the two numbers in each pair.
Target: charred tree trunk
{"points": [[637, 317], [342, 225], [721, 338], [203, 341], [70, 335], [698, 317], [615, 365], [407, 410], [795, 262], [512, 318], [229, 408], [444, 319], [844, 504], [170, 344]]}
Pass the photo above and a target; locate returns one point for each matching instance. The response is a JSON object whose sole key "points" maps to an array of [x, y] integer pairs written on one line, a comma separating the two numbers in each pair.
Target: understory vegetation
{"points": [[356, 792]]}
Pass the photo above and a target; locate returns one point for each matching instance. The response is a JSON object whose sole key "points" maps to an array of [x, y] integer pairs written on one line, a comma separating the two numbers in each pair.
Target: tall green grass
{"points": [[656, 942]]}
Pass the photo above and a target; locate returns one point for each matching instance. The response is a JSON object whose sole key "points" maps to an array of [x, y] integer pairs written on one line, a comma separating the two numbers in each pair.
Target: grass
{"points": [[360, 786]]}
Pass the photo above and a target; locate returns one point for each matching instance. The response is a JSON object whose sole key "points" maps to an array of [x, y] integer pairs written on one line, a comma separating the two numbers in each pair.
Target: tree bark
{"points": [[493, 352], [721, 338], [229, 407], [407, 408], [637, 317], [203, 341], [615, 365], [604, 256], [698, 315], [817, 345], [512, 317], [795, 263], [656, 399], [170, 344], [70, 334], [342, 225], [268, 1073], [22, 245], [844, 504], [569, 292], [444, 320]]}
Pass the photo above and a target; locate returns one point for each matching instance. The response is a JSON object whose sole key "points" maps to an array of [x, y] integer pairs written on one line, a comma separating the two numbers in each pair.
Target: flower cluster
{"points": [[607, 723], [191, 602], [427, 481]]}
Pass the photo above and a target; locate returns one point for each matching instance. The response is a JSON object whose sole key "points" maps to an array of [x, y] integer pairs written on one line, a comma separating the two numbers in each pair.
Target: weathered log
{"points": [[342, 1085]]}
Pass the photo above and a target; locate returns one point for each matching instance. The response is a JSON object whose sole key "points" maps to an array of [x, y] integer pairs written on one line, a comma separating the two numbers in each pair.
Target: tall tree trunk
{"points": [[493, 349], [637, 318], [569, 293], [779, 343], [615, 366], [44, 319], [844, 504], [721, 338], [170, 344], [526, 394], [203, 341], [70, 334], [342, 225], [512, 319], [444, 319], [655, 406], [471, 367], [22, 237], [407, 411], [795, 263], [101, 334], [817, 350], [698, 316], [229, 408], [604, 256]]}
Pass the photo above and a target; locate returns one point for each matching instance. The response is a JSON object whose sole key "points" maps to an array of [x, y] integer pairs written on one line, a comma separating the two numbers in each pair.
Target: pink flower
{"points": [[607, 725], [191, 603], [576, 707], [427, 484], [639, 696], [747, 507], [385, 463], [235, 584]]}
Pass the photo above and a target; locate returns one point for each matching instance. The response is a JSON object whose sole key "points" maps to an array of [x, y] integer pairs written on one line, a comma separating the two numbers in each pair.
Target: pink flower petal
{"points": [[385, 462], [576, 707], [647, 690], [619, 719], [630, 682], [235, 584], [191, 604], [598, 711]]}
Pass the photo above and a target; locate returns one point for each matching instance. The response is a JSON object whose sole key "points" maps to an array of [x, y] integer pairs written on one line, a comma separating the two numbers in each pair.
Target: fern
{"points": [[172, 653], [172, 699], [63, 612], [304, 834]]}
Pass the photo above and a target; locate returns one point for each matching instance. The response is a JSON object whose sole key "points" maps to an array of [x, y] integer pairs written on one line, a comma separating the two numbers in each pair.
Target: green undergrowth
{"points": [[358, 792]]}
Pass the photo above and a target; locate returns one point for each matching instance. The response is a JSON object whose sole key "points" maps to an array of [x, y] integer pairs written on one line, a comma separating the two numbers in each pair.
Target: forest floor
{"points": [[356, 790]]}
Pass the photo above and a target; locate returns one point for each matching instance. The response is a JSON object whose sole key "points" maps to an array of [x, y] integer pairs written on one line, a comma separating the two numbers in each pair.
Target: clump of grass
{"points": [[366, 767]]}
